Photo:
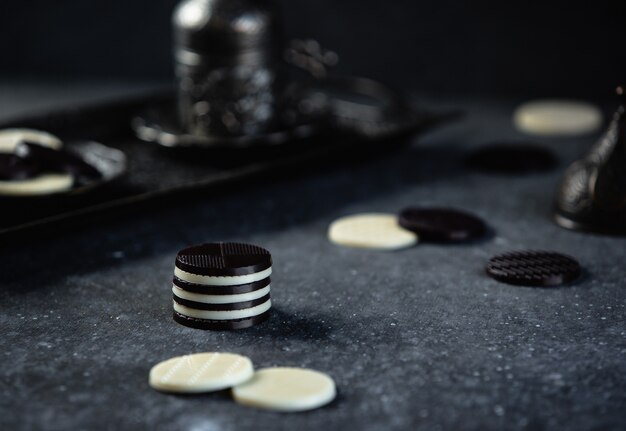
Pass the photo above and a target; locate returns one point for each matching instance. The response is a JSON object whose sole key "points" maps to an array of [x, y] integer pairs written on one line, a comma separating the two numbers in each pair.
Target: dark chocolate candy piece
{"points": [[221, 290], [442, 224], [534, 268], [220, 325], [512, 158], [222, 307], [224, 259], [51, 160], [14, 168]]}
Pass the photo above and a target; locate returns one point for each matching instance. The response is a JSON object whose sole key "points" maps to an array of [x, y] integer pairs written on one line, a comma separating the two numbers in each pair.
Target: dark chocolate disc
{"points": [[221, 290], [519, 158], [222, 307], [224, 259], [442, 224], [534, 268], [13, 168], [51, 160], [219, 325]]}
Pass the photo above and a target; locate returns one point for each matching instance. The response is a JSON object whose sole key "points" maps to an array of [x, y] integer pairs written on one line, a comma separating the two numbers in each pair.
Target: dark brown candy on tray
{"points": [[14, 168], [534, 268], [51, 160]]}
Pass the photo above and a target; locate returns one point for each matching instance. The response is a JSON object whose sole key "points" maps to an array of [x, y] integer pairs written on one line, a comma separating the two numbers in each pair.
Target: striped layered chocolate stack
{"points": [[222, 286]]}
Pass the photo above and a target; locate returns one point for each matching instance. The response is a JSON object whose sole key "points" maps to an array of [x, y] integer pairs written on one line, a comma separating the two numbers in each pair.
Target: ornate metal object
{"points": [[239, 86], [592, 194], [226, 54]]}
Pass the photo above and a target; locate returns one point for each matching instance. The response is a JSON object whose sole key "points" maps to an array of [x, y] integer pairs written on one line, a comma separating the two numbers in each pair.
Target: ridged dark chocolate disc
{"points": [[534, 268], [221, 325], [512, 158], [224, 259], [442, 224]]}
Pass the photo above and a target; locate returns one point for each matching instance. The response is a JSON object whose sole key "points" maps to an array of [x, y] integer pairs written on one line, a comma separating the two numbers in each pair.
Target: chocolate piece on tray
{"points": [[15, 168], [534, 268], [442, 224], [51, 160], [10, 138]]}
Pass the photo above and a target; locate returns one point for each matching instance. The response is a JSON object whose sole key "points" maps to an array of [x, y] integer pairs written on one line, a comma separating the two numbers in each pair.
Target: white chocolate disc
{"points": [[227, 280], [40, 185], [9, 138], [220, 299], [201, 372], [557, 117], [286, 390], [223, 314], [372, 230]]}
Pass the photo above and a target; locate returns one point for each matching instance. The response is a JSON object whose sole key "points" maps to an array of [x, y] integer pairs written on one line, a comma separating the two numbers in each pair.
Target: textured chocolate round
{"points": [[221, 325], [224, 259], [518, 158], [221, 290], [222, 307], [13, 167], [52, 160], [442, 224], [534, 268]]}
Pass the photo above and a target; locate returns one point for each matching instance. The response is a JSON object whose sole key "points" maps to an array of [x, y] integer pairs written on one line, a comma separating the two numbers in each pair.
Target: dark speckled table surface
{"points": [[415, 339]]}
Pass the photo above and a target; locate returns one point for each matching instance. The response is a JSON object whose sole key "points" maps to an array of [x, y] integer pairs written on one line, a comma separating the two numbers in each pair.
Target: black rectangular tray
{"points": [[155, 172]]}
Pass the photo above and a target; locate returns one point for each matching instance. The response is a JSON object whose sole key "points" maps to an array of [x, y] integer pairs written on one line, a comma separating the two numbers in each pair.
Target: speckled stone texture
{"points": [[415, 339]]}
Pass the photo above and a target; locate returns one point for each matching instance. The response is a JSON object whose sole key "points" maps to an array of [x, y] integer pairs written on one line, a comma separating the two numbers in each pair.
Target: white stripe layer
{"points": [[223, 315], [228, 280], [220, 299]]}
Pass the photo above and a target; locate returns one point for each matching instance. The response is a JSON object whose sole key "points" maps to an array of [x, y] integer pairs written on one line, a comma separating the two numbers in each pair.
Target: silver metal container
{"points": [[227, 55]]}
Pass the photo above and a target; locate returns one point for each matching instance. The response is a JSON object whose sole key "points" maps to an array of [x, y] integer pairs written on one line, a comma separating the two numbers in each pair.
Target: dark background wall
{"points": [[548, 48]]}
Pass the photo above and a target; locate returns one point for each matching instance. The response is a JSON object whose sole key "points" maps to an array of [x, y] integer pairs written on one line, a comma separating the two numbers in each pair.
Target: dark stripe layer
{"points": [[220, 325], [221, 290]]}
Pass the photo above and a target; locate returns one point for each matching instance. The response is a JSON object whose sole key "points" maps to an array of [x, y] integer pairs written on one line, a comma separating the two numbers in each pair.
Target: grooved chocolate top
{"points": [[224, 259], [442, 224], [534, 268]]}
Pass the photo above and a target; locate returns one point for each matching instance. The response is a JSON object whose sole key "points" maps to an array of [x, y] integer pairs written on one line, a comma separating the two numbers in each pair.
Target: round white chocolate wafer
{"points": [[40, 185], [557, 117], [371, 230], [9, 138], [229, 280], [286, 390], [201, 372]]}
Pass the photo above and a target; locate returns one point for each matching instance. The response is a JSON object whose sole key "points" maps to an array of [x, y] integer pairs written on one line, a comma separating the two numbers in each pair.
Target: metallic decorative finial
{"points": [[592, 194]]}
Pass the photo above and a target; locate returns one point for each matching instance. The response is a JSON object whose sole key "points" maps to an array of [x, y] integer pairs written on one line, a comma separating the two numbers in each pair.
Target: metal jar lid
{"points": [[218, 33]]}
